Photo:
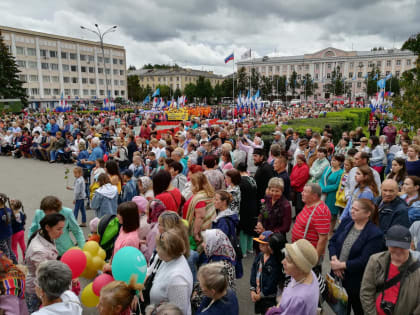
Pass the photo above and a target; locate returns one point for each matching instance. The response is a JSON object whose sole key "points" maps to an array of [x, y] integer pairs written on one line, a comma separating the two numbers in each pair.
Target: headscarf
{"points": [[218, 246], [156, 207], [146, 183]]}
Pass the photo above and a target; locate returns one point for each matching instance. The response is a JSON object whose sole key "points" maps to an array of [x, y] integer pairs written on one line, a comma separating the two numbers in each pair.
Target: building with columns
{"points": [[353, 65], [51, 65]]}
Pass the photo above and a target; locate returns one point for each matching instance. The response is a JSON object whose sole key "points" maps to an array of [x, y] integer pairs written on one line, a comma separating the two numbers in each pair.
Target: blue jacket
{"points": [[270, 275], [227, 223], [129, 190], [226, 305], [413, 210], [5, 229], [105, 200], [392, 213], [369, 242]]}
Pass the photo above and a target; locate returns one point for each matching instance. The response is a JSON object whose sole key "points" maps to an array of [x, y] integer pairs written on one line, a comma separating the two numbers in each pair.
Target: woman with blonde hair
{"points": [[199, 210]]}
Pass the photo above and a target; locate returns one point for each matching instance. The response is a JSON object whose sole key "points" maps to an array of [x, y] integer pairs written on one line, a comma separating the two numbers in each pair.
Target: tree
{"points": [[279, 83], [134, 89], [393, 85], [131, 67], [293, 84], [372, 80], [308, 86], [242, 80], [218, 92], [227, 87], [407, 105], [189, 91], [255, 79], [165, 91], [336, 86], [10, 85], [203, 88], [266, 87], [177, 93]]}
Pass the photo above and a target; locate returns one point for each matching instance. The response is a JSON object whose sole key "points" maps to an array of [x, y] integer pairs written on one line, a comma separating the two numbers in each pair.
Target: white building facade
{"points": [[52, 65], [353, 65]]}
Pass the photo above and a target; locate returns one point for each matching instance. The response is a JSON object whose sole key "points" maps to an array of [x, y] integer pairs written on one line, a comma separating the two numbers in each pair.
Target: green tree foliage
{"points": [[10, 85], [255, 80], [227, 87], [218, 92], [407, 105], [242, 80], [292, 83], [307, 85], [189, 91], [157, 66], [135, 92], [177, 93], [279, 83], [131, 67], [370, 82], [203, 88], [165, 91], [393, 85], [266, 87], [336, 85]]}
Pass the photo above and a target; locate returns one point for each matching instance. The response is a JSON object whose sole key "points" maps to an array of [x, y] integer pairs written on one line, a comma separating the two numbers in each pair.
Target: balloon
{"points": [[88, 298], [97, 263], [100, 282], [129, 261], [88, 260], [102, 253], [89, 273], [76, 260], [91, 247]]}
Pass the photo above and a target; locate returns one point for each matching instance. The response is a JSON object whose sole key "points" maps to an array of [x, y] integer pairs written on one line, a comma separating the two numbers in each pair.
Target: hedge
{"points": [[346, 120]]}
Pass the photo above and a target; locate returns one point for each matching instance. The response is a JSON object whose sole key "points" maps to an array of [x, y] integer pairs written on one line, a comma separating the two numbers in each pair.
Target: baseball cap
{"points": [[264, 237], [398, 236]]}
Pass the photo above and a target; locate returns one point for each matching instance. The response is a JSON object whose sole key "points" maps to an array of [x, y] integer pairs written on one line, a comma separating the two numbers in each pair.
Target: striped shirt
{"points": [[320, 223]]}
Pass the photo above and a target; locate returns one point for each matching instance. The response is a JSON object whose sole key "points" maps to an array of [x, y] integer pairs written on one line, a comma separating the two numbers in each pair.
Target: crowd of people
{"points": [[201, 198]]}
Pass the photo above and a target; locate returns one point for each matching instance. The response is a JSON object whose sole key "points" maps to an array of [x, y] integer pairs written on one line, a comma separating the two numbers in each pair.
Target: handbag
{"points": [[337, 297], [148, 286]]}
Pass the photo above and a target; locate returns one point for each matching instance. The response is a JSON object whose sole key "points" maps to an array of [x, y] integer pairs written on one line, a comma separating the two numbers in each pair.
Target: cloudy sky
{"points": [[201, 33]]}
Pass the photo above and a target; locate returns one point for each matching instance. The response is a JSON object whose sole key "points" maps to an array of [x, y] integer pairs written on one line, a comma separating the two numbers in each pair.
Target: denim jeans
{"points": [[80, 205], [192, 262], [53, 155], [389, 158]]}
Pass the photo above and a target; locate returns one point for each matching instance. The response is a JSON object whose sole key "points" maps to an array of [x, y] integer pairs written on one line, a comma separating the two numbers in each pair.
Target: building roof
{"points": [[173, 72], [58, 37]]}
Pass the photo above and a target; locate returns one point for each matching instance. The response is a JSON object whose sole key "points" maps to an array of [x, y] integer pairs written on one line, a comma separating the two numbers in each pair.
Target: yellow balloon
{"points": [[88, 259], [89, 273], [88, 298], [101, 253], [91, 247], [97, 263]]}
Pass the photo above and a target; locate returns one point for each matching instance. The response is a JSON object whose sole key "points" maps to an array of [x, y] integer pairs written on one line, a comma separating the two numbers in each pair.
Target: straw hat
{"points": [[303, 254]]}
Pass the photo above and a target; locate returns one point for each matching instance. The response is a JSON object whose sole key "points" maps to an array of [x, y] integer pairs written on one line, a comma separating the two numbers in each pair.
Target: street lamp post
{"points": [[101, 40]]}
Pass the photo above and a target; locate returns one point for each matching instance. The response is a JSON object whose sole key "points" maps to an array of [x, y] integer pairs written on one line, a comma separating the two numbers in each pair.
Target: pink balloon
{"points": [[100, 282], [76, 260]]}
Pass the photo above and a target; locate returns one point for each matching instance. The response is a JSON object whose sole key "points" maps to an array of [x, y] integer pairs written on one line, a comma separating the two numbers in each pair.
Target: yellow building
{"points": [[52, 64], [175, 78]]}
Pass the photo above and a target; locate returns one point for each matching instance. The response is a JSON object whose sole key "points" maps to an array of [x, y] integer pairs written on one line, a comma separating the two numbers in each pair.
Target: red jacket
{"points": [[299, 177]]}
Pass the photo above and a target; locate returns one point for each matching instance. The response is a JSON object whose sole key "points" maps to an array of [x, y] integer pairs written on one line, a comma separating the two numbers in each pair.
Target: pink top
{"points": [[126, 239]]}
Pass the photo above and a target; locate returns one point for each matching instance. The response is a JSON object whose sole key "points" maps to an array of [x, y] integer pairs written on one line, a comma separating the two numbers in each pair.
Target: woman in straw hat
{"points": [[302, 294]]}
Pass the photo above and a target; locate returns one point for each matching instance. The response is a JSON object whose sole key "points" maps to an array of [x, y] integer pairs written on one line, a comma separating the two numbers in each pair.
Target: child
{"points": [[6, 228], [105, 199], [264, 275], [130, 187], [136, 167], [18, 228], [93, 227], [152, 165], [79, 194]]}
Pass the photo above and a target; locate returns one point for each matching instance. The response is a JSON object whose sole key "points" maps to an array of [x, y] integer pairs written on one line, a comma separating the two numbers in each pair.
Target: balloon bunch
{"points": [[95, 259], [90, 294]]}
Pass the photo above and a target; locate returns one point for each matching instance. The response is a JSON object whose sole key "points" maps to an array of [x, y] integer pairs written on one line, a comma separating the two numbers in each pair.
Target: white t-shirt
{"points": [[69, 306]]}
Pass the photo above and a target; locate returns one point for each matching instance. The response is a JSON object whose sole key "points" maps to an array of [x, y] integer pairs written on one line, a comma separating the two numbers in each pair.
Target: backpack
{"points": [[108, 229]]}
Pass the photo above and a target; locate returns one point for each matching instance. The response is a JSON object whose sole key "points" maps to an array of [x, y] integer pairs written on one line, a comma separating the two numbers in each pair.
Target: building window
{"points": [[359, 84], [56, 92], [54, 66], [47, 91], [32, 64], [45, 66], [109, 81], [91, 70], [31, 51], [46, 78], [33, 78], [101, 92], [306, 67], [278, 68], [397, 74], [270, 68], [66, 79], [177, 78], [115, 71], [75, 92], [101, 81], [21, 63], [122, 93], [91, 58], [398, 62], [388, 63], [91, 81], [85, 92], [370, 64], [84, 80], [73, 56], [329, 65], [20, 50], [328, 75], [74, 80], [55, 78], [22, 77], [66, 67], [115, 61], [292, 68], [350, 74], [108, 71], [34, 91], [317, 66], [316, 76], [73, 68], [388, 72], [351, 65], [100, 60], [107, 60], [116, 93], [92, 92], [67, 92], [378, 63], [121, 72], [53, 54], [83, 69], [43, 53], [121, 62], [100, 70], [408, 62], [83, 57], [63, 55], [122, 82], [115, 82], [359, 74]]}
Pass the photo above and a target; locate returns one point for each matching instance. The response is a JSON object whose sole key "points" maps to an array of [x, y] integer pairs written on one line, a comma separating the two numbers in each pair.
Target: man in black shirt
{"points": [[263, 174]]}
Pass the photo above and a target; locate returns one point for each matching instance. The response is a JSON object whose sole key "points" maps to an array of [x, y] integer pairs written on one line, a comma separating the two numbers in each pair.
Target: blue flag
{"points": [[389, 76], [156, 93], [381, 83], [375, 77]]}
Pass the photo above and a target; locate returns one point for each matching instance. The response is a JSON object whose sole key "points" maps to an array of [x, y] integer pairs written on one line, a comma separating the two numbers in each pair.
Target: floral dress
{"points": [[235, 191]]}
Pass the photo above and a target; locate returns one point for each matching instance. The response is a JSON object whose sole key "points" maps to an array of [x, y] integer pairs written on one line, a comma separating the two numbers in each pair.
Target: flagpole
{"points": [[233, 79]]}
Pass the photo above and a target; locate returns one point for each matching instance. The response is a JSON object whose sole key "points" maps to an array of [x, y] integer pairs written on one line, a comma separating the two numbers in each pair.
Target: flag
{"points": [[246, 55], [389, 76], [229, 58], [239, 98], [375, 77], [156, 93], [146, 100], [247, 102], [381, 83]]}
